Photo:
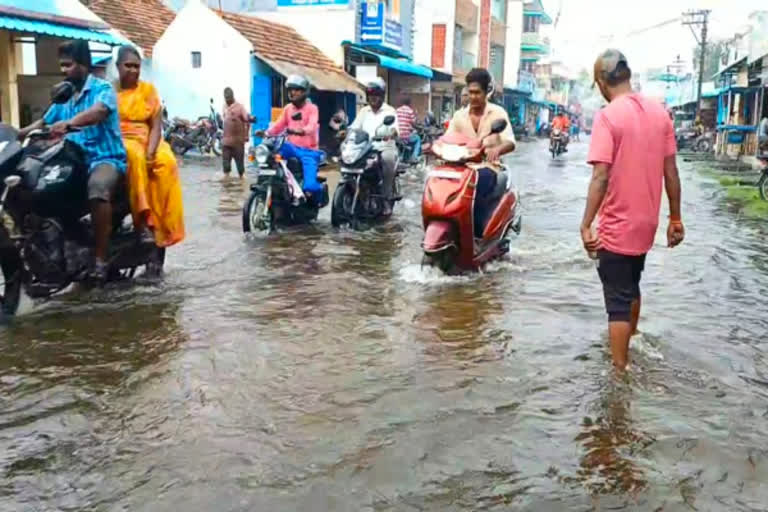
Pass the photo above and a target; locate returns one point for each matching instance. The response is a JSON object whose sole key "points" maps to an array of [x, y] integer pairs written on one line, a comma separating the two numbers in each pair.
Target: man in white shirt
{"points": [[369, 119]]}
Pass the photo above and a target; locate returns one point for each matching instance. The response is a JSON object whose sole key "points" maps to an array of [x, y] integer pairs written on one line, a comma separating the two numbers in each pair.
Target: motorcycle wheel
{"points": [[704, 146], [254, 217], [178, 148], [554, 152], [216, 144], [341, 206], [762, 186], [12, 271]]}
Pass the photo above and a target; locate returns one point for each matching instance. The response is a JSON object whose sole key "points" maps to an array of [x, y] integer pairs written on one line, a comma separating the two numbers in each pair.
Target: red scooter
{"points": [[447, 208]]}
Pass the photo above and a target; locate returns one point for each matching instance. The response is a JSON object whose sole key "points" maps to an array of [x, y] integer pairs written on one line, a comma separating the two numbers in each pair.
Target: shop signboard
{"points": [[380, 25]]}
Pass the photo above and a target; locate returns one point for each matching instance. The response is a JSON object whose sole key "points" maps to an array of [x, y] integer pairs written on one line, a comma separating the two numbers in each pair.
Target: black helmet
{"points": [[297, 82], [376, 86]]}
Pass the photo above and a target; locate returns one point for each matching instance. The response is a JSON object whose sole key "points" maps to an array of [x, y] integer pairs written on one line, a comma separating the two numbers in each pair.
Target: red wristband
{"points": [[675, 219]]}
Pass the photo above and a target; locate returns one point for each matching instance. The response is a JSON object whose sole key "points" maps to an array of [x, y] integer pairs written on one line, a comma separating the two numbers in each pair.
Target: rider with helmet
{"points": [[302, 134], [369, 119]]}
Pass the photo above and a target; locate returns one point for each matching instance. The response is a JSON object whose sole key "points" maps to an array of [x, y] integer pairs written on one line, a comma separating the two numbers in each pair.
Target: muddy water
{"points": [[323, 370]]}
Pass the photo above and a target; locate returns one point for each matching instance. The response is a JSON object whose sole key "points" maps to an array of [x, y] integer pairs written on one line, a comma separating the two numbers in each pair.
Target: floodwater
{"points": [[323, 370]]}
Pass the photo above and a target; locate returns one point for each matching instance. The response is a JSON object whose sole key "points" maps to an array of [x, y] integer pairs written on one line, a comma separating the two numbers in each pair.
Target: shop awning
{"points": [[400, 65], [519, 92], [49, 28], [731, 67], [320, 79]]}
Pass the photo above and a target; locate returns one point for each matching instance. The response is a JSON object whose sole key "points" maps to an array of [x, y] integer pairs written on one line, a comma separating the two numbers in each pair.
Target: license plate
{"points": [[348, 170], [267, 172]]}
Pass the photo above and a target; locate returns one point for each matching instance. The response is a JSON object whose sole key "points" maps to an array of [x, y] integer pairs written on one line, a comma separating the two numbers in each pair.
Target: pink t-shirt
{"points": [[634, 135], [309, 123]]}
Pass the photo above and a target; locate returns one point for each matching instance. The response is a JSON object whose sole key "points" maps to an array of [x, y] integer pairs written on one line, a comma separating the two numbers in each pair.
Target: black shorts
{"points": [[620, 276]]}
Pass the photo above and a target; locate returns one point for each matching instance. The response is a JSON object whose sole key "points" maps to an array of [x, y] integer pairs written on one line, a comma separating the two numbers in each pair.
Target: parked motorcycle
{"points": [[359, 195], [272, 202], [450, 241], [762, 184], [557, 142], [46, 238], [205, 134]]}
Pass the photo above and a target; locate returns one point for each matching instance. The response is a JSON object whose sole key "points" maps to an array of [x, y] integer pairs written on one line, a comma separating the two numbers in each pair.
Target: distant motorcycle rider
{"points": [[302, 140], [93, 109], [369, 119], [562, 123]]}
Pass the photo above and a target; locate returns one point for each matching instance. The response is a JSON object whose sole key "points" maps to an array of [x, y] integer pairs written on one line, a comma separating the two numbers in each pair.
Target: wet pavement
{"points": [[325, 370]]}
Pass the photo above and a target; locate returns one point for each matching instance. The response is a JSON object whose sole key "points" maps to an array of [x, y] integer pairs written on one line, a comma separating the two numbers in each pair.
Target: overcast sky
{"points": [[585, 26]]}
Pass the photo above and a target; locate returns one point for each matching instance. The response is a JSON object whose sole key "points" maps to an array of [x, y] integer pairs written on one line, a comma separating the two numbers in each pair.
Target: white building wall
{"points": [[426, 14], [324, 27], [513, 42], [225, 62]]}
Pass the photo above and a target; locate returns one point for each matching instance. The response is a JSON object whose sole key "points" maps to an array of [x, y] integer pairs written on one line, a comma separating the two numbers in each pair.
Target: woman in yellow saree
{"points": [[154, 189]]}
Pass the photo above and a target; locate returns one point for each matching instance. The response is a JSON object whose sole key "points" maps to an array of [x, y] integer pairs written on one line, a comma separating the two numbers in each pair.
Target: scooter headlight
{"points": [[261, 155]]}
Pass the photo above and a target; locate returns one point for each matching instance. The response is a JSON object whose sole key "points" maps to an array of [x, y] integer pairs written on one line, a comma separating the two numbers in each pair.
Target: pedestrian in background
{"points": [[236, 123], [406, 119], [633, 151]]}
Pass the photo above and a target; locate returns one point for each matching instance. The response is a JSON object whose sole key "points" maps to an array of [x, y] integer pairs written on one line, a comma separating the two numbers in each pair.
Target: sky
{"points": [[585, 28]]}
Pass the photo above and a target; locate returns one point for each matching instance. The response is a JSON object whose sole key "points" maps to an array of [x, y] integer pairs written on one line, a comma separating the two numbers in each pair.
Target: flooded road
{"points": [[324, 370]]}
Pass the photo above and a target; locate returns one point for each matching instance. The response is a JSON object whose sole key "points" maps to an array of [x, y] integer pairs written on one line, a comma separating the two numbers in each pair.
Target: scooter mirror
{"points": [[12, 181], [296, 116], [498, 126], [389, 120], [62, 92]]}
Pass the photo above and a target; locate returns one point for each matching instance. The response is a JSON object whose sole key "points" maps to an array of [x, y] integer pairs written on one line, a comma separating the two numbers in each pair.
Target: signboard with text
{"points": [[380, 27], [311, 3]]}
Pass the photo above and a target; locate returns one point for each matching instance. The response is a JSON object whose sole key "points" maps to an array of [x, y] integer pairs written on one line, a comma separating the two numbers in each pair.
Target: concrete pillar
{"points": [[10, 68]]}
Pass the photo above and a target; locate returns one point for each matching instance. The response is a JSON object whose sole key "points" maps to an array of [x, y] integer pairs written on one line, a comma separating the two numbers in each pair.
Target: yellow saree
{"points": [[154, 189]]}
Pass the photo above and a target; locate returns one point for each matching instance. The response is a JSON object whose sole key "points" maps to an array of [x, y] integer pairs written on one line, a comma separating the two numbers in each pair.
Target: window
{"points": [[530, 24], [499, 10], [277, 91], [197, 60]]}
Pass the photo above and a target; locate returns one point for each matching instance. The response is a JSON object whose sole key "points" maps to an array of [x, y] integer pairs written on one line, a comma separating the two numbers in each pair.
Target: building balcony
{"points": [[534, 42], [467, 15]]}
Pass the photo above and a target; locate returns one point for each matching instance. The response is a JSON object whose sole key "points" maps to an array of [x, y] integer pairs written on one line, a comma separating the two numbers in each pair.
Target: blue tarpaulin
{"points": [[401, 65], [58, 30]]}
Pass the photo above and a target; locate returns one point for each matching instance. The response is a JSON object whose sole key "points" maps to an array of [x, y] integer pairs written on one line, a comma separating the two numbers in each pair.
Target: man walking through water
{"points": [[632, 151], [236, 121]]}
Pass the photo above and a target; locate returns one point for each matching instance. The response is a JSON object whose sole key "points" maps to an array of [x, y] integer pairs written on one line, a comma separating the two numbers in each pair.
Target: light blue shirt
{"points": [[102, 142]]}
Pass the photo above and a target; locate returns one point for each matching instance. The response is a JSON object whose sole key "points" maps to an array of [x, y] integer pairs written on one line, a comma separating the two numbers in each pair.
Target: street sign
{"points": [[377, 29]]}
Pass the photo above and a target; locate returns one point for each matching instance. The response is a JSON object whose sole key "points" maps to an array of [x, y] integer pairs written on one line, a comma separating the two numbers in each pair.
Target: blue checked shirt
{"points": [[102, 142]]}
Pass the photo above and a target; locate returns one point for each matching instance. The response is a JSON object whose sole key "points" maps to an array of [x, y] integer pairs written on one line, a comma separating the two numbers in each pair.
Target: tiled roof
{"points": [[277, 42], [141, 21]]}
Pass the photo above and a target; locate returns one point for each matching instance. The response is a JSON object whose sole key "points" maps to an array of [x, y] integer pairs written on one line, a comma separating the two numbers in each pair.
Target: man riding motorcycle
{"points": [[302, 133], [475, 122], [563, 124], [93, 111], [369, 119]]}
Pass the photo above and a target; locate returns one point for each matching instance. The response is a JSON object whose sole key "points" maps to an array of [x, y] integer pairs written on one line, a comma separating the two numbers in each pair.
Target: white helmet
{"points": [[297, 82]]}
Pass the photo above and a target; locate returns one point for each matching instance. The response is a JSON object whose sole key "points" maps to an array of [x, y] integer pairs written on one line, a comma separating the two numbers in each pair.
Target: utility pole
{"points": [[698, 18]]}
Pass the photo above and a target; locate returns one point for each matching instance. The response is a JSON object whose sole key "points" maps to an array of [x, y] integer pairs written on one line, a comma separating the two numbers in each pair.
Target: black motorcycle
{"points": [[46, 238], [359, 195], [271, 202], [205, 134], [557, 143]]}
